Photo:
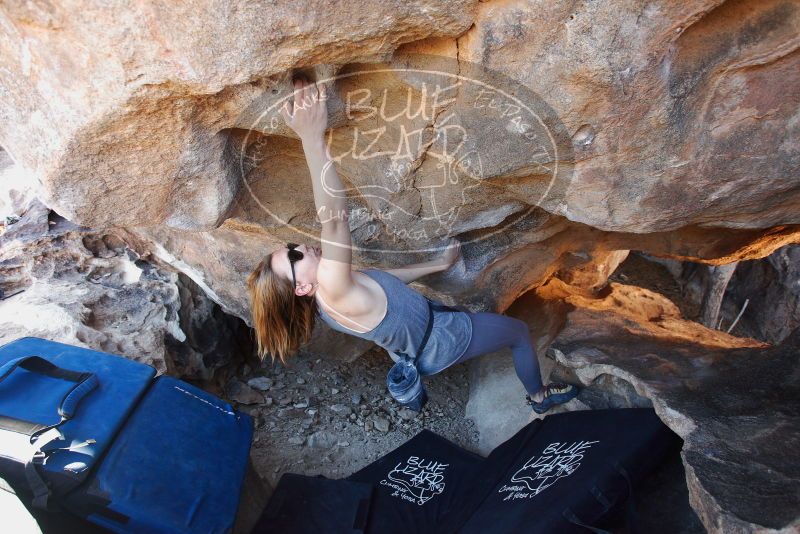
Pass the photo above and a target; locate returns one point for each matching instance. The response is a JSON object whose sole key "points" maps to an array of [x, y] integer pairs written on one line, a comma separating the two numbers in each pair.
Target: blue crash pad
{"points": [[99, 415]]}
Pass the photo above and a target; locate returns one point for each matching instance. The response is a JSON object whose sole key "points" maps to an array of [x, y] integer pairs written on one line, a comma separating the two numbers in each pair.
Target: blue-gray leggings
{"points": [[494, 331]]}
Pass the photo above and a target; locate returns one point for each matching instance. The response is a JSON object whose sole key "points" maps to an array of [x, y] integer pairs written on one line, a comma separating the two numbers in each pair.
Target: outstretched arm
{"points": [[307, 115], [409, 273]]}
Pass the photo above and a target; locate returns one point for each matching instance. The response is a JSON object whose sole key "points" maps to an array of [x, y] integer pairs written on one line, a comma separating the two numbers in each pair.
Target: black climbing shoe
{"points": [[554, 393]]}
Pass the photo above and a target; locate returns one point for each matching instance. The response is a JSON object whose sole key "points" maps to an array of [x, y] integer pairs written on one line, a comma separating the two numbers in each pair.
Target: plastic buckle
{"points": [[38, 457]]}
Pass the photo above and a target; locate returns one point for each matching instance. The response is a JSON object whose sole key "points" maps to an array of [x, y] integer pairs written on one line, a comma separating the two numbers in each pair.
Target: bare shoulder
{"points": [[360, 298]]}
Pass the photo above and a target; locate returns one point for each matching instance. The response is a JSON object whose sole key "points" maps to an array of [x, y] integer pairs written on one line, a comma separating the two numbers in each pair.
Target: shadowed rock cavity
{"points": [[733, 400]]}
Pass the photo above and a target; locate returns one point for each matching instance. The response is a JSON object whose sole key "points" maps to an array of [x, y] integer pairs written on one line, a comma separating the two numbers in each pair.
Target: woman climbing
{"points": [[295, 283]]}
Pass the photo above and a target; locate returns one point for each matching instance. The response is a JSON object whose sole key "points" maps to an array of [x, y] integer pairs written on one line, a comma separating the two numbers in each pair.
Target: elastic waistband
{"points": [[440, 306]]}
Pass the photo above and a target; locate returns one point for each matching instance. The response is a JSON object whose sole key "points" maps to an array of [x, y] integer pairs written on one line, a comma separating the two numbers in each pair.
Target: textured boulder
{"points": [[491, 275], [77, 286], [17, 190], [663, 115], [122, 110], [674, 106]]}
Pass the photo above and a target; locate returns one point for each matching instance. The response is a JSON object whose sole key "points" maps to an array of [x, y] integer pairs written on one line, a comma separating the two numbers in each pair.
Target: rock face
{"points": [[86, 288], [659, 97], [661, 114], [130, 126]]}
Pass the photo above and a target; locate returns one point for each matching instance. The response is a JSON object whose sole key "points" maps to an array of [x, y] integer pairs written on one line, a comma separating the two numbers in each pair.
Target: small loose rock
{"points": [[407, 414], [261, 383], [244, 394], [341, 409], [321, 440], [381, 424]]}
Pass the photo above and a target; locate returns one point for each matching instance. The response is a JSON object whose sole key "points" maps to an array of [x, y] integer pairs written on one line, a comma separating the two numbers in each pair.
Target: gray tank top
{"points": [[402, 328]]}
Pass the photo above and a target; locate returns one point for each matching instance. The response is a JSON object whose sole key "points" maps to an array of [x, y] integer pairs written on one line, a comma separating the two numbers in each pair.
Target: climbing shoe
{"points": [[554, 393]]}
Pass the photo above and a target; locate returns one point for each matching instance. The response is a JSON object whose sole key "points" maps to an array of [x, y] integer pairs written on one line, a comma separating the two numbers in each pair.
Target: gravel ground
{"points": [[324, 417]]}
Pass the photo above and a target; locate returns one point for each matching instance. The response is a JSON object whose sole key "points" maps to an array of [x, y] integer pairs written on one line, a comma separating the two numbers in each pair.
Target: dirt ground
{"points": [[324, 417]]}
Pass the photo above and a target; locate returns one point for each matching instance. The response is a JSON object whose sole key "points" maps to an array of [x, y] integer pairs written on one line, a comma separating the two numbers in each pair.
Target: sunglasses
{"points": [[294, 255]]}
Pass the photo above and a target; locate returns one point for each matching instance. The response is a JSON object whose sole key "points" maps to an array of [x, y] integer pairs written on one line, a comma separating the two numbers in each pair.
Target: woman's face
{"points": [[305, 270]]}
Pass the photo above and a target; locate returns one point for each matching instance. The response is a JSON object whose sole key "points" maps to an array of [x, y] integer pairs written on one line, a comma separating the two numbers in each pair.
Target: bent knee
{"points": [[522, 325]]}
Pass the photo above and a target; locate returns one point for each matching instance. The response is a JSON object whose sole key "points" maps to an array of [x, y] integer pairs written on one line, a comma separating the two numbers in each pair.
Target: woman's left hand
{"points": [[452, 253]]}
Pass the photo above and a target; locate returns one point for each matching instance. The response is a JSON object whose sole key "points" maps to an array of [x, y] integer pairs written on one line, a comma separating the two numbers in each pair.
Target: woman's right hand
{"points": [[307, 113]]}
